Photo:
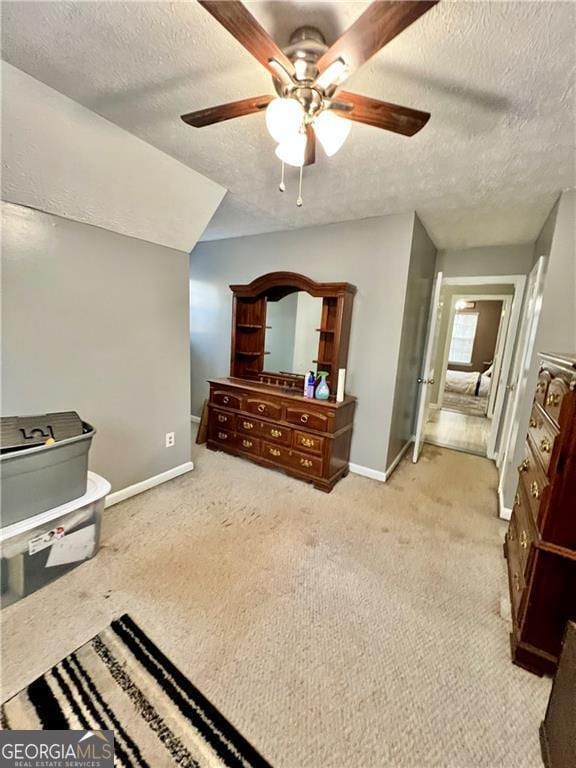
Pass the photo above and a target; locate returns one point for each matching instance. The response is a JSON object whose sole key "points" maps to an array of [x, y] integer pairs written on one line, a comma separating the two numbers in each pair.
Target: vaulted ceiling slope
{"points": [[498, 78]]}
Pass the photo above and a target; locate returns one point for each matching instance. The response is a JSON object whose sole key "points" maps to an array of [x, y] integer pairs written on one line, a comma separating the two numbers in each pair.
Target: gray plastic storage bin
{"points": [[33, 480], [37, 551]]}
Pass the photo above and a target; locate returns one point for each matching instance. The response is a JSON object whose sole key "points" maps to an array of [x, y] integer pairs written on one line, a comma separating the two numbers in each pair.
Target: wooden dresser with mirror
{"points": [[541, 540], [283, 326]]}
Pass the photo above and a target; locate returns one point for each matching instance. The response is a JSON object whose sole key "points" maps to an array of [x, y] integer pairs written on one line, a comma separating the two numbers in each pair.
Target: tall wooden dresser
{"points": [[540, 543]]}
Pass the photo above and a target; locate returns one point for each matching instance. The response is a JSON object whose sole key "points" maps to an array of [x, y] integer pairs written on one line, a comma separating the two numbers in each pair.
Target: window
{"points": [[463, 334]]}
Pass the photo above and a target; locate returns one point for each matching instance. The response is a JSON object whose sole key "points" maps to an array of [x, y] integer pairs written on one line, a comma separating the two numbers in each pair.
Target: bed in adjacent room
{"points": [[467, 391]]}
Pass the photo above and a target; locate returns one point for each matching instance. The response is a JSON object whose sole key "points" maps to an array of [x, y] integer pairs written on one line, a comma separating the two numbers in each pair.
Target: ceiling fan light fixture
{"points": [[293, 150], [332, 131], [284, 119]]}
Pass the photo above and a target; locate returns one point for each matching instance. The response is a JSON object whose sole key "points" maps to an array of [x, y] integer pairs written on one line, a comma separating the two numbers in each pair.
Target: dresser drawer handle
{"points": [[307, 442], [517, 502], [247, 425], [553, 399], [261, 408], [247, 443], [541, 386], [304, 418], [222, 436], [225, 399], [532, 423], [525, 466], [524, 540], [274, 451], [276, 432], [306, 462], [545, 445], [516, 580], [510, 535], [222, 418], [534, 490]]}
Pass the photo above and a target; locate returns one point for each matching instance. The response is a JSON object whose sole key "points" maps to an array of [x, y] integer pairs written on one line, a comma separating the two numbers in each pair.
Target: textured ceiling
{"points": [[498, 78]]}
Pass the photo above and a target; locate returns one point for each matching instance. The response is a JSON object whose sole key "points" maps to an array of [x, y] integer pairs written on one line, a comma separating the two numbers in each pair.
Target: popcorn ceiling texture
{"points": [[497, 77], [361, 628]]}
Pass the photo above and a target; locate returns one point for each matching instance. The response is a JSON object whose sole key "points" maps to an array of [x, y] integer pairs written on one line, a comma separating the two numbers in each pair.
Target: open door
{"points": [[427, 376], [521, 368]]}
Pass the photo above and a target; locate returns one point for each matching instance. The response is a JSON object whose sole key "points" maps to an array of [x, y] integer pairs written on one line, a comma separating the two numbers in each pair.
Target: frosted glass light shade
{"points": [[293, 150], [284, 118], [331, 130]]}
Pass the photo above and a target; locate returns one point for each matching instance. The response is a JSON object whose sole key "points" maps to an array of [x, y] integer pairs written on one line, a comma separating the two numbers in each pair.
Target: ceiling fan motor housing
{"points": [[307, 45]]}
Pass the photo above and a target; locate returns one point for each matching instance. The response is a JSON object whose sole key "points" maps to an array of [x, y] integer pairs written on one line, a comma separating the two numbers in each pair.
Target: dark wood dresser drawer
{"points": [[261, 407], [534, 481], [542, 387], [310, 443], [226, 398], [557, 390], [247, 444], [220, 434], [516, 580], [307, 417], [542, 434], [275, 433], [309, 465], [224, 419], [525, 527]]}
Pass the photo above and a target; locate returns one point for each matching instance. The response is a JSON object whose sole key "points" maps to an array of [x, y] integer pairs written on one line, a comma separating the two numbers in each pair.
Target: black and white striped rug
{"points": [[121, 681]]}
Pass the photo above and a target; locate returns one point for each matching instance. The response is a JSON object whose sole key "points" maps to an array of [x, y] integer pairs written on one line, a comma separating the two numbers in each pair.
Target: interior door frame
{"points": [[505, 298], [520, 372], [428, 362], [519, 283]]}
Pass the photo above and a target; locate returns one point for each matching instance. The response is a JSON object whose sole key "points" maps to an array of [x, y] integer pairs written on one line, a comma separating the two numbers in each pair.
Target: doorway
{"points": [[473, 326]]}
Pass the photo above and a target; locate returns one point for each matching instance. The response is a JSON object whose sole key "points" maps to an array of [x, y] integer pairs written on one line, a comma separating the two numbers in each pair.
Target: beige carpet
{"points": [[360, 629]]}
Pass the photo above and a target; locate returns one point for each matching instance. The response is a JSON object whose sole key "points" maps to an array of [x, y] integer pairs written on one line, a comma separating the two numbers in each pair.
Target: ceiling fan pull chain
{"points": [[299, 198], [282, 186]]}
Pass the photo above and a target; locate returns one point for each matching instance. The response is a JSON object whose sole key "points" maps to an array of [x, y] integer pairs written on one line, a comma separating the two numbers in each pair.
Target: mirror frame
{"points": [[247, 353]]}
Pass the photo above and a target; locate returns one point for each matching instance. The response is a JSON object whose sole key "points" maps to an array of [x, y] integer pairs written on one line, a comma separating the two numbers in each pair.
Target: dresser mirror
{"points": [[292, 331]]}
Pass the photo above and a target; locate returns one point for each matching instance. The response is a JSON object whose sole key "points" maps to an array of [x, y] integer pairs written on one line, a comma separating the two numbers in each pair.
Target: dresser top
{"points": [[270, 389], [559, 358]]}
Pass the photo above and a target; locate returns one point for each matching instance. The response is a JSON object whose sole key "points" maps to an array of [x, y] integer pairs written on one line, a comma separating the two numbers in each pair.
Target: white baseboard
{"points": [[505, 513], [398, 458], [195, 419], [145, 485], [373, 474]]}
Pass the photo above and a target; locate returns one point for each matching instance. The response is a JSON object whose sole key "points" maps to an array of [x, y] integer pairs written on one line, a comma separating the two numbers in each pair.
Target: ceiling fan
{"points": [[307, 77]]}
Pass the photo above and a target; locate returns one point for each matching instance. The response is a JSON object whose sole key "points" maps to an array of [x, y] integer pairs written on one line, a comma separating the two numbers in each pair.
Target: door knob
{"points": [[420, 381]]}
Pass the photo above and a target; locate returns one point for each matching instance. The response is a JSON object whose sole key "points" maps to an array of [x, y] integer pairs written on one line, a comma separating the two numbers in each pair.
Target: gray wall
{"points": [[372, 254], [489, 260], [414, 327], [97, 322], [557, 326]]}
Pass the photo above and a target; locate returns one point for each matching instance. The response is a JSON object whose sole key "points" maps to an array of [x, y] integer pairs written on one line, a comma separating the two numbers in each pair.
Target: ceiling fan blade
{"points": [[380, 114], [380, 23], [237, 19], [229, 111], [310, 154]]}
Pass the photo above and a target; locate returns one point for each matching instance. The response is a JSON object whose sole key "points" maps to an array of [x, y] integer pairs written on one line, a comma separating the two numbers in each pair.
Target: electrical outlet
{"points": [[170, 439]]}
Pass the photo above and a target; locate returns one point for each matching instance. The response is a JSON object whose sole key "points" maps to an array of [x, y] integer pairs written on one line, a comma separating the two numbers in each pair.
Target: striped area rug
{"points": [[121, 681]]}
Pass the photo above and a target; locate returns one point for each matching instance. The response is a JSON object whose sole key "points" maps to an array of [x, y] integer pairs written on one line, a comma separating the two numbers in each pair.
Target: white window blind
{"points": [[463, 334]]}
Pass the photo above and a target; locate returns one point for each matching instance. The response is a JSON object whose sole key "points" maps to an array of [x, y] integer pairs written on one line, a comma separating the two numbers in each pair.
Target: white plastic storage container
{"points": [[38, 550]]}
